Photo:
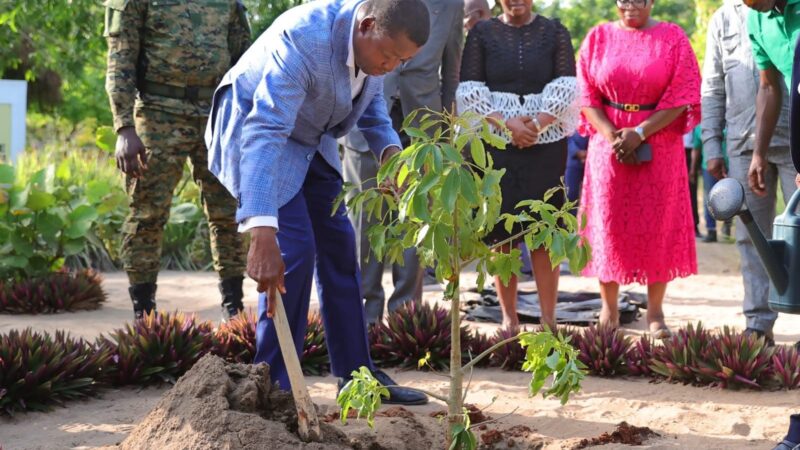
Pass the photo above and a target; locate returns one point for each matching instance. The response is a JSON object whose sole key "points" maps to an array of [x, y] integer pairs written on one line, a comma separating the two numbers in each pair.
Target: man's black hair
{"points": [[409, 17]]}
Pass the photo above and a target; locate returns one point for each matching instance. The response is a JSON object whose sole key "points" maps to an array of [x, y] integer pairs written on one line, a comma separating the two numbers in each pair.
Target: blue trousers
{"points": [[573, 179], [314, 243]]}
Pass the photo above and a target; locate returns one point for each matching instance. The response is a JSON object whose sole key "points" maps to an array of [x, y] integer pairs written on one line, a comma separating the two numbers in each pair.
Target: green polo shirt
{"points": [[774, 36]]}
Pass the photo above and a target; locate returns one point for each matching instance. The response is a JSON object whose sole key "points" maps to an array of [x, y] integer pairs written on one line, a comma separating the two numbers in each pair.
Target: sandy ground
{"points": [[685, 417]]}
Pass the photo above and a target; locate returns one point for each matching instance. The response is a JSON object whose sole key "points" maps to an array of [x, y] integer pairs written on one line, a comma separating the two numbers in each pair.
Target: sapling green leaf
{"points": [[478, 153], [424, 361], [362, 393], [416, 133], [548, 355]]}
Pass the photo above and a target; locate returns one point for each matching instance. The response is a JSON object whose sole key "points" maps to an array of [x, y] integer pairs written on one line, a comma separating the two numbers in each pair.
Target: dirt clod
{"points": [[519, 431], [475, 414], [491, 437], [624, 434], [333, 416], [438, 414], [396, 411]]}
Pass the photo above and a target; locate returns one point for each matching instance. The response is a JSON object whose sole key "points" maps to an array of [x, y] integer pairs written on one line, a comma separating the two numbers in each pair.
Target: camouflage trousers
{"points": [[169, 140]]}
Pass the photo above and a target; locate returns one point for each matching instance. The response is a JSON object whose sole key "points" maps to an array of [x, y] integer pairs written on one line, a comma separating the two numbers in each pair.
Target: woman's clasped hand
{"points": [[523, 131], [625, 142]]}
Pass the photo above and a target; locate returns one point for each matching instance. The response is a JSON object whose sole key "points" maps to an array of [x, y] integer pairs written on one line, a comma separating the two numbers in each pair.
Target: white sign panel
{"points": [[13, 106]]}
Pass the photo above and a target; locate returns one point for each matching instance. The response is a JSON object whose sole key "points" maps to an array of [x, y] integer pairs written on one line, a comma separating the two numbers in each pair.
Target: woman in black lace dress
{"points": [[519, 67]]}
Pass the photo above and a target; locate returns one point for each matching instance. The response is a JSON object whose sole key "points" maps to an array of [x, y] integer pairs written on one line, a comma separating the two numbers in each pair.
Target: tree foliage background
{"points": [[57, 45], [579, 16]]}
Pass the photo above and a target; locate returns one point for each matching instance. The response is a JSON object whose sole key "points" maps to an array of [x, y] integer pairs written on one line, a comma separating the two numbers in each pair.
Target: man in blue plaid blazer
{"points": [[311, 77]]}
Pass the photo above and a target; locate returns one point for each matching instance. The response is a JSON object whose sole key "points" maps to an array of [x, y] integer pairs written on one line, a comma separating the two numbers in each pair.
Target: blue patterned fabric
{"points": [[286, 99]]}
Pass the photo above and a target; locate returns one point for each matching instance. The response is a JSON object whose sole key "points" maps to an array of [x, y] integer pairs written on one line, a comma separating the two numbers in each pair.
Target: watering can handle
{"points": [[794, 202]]}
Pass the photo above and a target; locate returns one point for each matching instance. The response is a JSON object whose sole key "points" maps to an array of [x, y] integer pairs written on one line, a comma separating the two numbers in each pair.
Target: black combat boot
{"points": [[231, 290], [143, 297]]}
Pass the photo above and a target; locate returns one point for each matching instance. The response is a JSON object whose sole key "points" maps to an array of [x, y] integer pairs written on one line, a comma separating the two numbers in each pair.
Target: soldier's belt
{"points": [[191, 93]]}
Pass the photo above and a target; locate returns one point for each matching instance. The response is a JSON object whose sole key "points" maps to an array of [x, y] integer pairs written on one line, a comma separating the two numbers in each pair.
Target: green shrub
{"points": [[85, 152], [91, 172], [186, 245], [38, 370], [42, 221], [51, 293]]}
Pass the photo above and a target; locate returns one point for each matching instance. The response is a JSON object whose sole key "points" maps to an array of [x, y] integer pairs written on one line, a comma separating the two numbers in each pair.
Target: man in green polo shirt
{"points": [[773, 26]]}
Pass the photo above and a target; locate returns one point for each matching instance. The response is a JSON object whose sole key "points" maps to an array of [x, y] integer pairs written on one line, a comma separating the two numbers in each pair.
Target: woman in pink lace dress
{"points": [[640, 83]]}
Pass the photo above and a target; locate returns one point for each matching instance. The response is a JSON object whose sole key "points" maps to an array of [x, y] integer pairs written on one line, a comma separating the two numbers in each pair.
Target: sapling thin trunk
{"points": [[455, 408]]}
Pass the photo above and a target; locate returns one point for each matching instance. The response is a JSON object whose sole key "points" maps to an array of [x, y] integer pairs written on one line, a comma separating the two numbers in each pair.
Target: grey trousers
{"points": [[361, 168], [756, 282]]}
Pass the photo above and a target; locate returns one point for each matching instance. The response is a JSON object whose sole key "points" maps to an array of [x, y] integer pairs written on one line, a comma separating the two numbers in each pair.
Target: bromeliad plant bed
{"points": [[52, 293]]}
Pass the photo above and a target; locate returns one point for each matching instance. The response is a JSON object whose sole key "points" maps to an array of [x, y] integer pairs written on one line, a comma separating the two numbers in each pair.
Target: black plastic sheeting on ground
{"points": [[576, 308]]}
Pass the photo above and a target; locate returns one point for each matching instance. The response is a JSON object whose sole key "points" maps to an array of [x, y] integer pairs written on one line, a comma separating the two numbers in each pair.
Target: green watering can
{"points": [[780, 255]]}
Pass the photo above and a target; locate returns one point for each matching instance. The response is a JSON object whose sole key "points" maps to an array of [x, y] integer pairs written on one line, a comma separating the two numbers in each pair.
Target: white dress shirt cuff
{"points": [[258, 221]]}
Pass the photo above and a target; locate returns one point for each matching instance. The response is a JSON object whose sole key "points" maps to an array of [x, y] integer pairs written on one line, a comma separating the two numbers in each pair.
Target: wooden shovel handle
{"points": [[307, 420]]}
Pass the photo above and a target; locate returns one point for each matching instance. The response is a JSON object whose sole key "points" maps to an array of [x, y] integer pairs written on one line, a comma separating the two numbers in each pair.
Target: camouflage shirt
{"points": [[169, 42]]}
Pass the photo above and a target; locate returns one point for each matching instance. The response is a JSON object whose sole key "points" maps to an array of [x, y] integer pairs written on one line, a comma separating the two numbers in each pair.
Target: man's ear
{"points": [[366, 24]]}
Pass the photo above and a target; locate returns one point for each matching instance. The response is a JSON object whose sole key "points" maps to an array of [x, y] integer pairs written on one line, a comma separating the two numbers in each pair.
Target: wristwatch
{"points": [[640, 131]]}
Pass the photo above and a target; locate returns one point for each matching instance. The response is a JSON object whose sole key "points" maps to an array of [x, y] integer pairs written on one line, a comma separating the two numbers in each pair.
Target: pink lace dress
{"points": [[639, 219]]}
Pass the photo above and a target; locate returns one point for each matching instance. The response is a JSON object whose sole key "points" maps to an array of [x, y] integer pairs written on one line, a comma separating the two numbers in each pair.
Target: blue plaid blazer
{"points": [[287, 98]]}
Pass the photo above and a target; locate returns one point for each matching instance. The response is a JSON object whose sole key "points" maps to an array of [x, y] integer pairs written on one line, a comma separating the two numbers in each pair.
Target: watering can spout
{"points": [[726, 200]]}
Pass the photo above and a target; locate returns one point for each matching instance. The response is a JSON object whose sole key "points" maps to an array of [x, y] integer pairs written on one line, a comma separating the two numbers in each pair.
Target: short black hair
{"points": [[409, 17]]}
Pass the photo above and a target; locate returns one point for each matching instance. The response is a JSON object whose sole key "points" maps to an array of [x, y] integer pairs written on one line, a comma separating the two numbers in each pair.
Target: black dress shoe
{"points": [[759, 334], [787, 445], [710, 237], [397, 395]]}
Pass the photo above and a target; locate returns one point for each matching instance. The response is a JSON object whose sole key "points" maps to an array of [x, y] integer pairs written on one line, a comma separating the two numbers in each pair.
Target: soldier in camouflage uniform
{"points": [[165, 57]]}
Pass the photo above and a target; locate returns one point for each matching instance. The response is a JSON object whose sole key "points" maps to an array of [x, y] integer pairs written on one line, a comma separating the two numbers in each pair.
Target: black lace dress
{"points": [[521, 60]]}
